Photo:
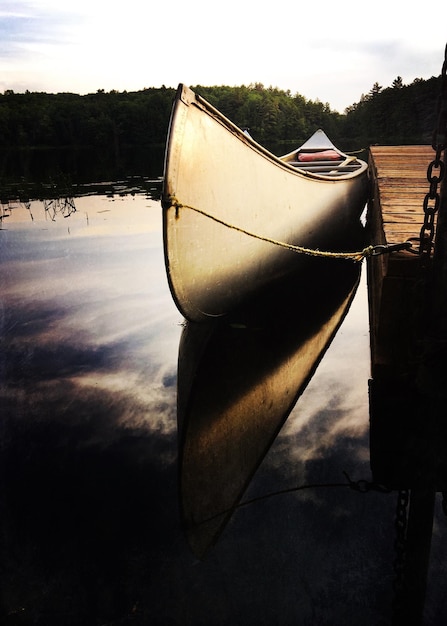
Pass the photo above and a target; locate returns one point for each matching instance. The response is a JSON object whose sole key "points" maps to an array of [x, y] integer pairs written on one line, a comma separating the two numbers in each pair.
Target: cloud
{"points": [[80, 47], [26, 26]]}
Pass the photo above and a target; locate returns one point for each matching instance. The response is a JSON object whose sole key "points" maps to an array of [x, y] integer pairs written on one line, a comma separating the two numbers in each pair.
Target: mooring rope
{"points": [[357, 257], [361, 486]]}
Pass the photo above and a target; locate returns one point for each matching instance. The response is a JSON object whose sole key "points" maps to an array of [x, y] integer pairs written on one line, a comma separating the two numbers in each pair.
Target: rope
{"points": [[350, 256], [361, 486]]}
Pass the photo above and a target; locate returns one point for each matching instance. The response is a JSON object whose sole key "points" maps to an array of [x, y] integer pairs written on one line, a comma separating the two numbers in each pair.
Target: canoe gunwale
{"points": [[184, 94]]}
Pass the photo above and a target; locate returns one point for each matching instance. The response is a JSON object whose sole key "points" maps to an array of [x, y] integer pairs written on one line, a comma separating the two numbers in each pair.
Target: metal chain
{"points": [[435, 172], [435, 175], [399, 546]]}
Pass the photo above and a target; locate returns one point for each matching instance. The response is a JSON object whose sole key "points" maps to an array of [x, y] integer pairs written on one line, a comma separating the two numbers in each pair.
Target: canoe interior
{"points": [[320, 155]]}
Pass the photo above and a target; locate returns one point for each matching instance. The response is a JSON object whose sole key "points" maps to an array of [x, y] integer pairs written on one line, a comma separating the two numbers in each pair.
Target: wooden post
{"points": [[411, 601], [408, 414], [433, 389]]}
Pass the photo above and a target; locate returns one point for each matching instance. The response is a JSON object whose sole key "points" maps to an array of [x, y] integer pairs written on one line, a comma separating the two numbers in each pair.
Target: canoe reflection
{"points": [[238, 380]]}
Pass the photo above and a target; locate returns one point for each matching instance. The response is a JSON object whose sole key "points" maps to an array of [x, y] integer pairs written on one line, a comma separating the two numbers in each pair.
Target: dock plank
{"points": [[399, 185]]}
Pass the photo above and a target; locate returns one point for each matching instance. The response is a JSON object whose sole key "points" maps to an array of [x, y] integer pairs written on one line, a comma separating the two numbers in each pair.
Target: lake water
{"points": [[90, 525]]}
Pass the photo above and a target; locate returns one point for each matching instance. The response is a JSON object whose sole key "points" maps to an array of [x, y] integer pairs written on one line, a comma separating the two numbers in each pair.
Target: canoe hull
{"points": [[220, 185]]}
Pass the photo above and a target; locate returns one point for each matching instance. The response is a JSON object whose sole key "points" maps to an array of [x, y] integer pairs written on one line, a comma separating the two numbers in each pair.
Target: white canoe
{"points": [[230, 206]]}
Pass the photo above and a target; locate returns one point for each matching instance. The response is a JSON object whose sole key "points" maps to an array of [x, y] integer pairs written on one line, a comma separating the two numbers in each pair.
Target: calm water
{"points": [[90, 526]]}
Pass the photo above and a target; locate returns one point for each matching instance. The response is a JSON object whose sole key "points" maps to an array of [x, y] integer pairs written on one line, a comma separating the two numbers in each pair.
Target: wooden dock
{"points": [[399, 438], [408, 432], [395, 215]]}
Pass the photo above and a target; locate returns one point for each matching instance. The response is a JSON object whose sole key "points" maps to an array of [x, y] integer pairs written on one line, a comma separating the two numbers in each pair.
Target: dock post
{"points": [[408, 361], [410, 598]]}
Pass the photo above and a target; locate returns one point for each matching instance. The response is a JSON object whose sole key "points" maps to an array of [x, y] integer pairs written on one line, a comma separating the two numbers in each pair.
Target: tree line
{"points": [[113, 122]]}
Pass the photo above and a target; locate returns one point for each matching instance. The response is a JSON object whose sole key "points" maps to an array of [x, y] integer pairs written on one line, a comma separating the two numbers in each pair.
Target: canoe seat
{"points": [[327, 167], [302, 165]]}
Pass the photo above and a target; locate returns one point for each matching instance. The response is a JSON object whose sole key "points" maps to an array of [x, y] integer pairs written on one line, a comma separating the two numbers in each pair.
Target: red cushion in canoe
{"points": [[324, 155]]}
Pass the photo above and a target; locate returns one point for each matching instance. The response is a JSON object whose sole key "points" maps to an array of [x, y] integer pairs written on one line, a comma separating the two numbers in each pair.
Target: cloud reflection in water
{"points": [[83, 304], [88, 410], [335, 405]]}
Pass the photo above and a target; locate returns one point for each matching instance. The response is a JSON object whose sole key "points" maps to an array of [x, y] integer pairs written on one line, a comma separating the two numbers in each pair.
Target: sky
{"points": [[327, 51]]}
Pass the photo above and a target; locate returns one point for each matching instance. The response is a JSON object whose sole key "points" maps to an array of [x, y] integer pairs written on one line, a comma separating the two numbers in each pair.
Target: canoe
{"points": [[233, 211], [239, 377]]}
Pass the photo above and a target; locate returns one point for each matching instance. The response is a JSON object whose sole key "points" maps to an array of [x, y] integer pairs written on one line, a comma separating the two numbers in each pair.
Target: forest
{"points": [[123, 133]]}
